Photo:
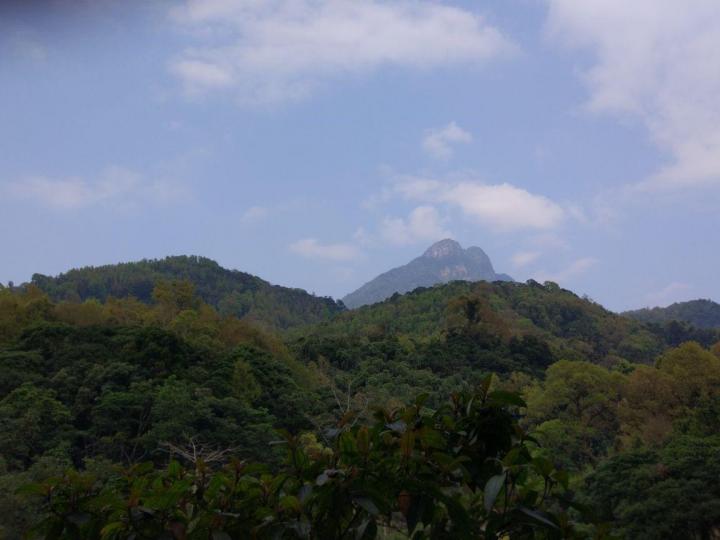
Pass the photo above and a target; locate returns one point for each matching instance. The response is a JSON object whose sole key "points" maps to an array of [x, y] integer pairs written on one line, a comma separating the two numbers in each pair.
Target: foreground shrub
{"points": [[466, 470]]}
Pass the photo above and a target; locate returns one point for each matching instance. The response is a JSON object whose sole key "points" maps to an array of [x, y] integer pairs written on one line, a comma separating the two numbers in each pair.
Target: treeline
{"points": [[699, 313], [231, 292]]}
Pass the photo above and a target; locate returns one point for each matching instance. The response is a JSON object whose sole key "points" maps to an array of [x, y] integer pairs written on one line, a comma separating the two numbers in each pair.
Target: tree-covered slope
{"points": [[230, 291], [463, 323], [700, 313]]}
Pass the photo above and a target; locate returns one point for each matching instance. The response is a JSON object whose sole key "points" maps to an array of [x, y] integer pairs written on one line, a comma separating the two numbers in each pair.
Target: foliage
{"points": [[465, 470], [698, 313], [32, 422], [103, 385], [577, 402], [230, 291], [668, 493], [436, 339], [83, 383]]}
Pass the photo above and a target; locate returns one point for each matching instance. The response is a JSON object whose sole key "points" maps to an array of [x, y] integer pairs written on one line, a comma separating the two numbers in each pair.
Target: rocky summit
{"points": [[442, 262]]}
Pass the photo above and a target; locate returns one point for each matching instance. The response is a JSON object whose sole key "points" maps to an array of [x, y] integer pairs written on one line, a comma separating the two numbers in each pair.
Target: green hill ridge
{"points": [[231, 292], [702, 313]]}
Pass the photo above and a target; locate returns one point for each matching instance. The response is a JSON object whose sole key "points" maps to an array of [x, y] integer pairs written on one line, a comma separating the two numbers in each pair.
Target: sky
{"points": [[318, 143]]}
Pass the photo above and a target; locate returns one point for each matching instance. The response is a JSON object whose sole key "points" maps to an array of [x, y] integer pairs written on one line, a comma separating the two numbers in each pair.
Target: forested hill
{"points": [[700, 313], [231, 292], [501, 327]]}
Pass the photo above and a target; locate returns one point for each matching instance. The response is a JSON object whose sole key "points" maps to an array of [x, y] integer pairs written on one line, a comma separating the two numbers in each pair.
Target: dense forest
{"points": [[702, 313], [231, 292], [467, 410]]}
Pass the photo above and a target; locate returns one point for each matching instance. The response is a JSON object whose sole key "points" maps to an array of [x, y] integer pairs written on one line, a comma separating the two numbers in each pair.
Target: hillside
{"points": [[700, 313], [231, 292], [442, 262], [501, 327]]}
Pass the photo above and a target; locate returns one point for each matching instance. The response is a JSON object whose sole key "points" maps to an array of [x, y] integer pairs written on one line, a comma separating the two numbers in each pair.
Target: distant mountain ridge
{"points": [[442, 262], [231, 292], [702, 313]]}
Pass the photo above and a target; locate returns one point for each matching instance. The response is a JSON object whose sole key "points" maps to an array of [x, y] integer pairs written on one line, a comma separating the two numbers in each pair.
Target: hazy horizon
{"points": [[319, 144]]}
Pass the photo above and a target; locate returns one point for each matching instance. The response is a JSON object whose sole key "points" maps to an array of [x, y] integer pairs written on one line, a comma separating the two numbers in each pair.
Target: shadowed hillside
{"points": [[700, 313]]}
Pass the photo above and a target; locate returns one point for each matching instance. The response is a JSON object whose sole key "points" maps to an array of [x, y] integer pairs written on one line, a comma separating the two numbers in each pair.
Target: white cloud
{"points": [[438, 142], [114, 186], [503, 207], [199, 76], [362, 237], [656, 61], [523, 258], [576, 268], [422, 225], [255, 214], [673, 292], [311, 248], [278, 50]]}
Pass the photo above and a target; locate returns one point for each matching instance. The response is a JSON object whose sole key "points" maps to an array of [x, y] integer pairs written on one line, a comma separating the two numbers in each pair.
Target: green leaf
{"points": [[431, 438], [485, 386], [502, 398], [290, 502], [32, 489], [562, 477], [543, 466], [111, 529], [492, 489], [174, 468], [542, 517], [348, 446]]}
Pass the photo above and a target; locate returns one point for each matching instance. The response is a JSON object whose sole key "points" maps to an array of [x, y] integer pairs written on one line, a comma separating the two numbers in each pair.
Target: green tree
{"points": [[576, 404], [465, 470], [32, 422], [670, 493], [245, 386]]}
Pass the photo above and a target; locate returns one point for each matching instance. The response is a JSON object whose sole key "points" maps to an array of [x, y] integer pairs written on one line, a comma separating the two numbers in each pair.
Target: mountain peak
{"points": [[442, 262], [443, 248]]}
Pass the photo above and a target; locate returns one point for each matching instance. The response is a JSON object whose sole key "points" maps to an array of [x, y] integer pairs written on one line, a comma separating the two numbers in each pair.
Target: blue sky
{"points": [[318, 143]]}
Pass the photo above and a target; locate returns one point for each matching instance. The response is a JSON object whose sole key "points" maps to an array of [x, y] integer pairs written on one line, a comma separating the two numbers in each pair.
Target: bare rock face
{"points": [[442, 262], [443, 248]]}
